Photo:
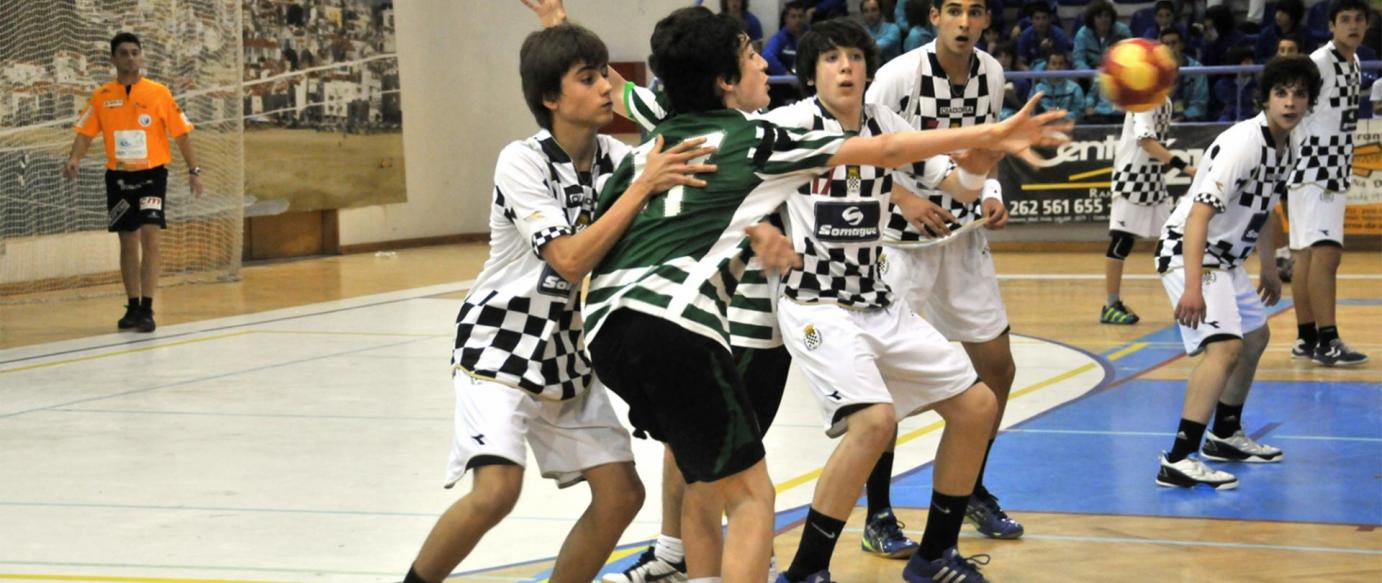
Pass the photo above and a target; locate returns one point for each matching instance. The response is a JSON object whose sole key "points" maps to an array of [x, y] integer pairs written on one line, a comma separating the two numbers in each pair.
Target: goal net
{"points": [[53, 54]]}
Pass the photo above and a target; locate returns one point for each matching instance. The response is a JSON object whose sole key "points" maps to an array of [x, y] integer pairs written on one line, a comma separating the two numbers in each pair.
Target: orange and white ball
{"points": [[1138, 74]]}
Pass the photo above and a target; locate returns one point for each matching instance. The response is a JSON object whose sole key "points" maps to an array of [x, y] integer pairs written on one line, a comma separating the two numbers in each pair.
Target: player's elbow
{"points": [[564, 260], [891, 151]]}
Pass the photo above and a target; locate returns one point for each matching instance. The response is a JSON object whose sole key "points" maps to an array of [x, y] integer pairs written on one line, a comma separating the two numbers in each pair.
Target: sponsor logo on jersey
{"points": [[811, 337], [145, 119], [147, 203], [551, 283], [114, 103], [848, 222]]}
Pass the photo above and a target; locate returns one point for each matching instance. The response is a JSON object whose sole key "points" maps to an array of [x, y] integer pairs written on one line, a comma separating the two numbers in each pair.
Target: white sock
{"points": [[669, 549], [1284, 253], [704, 580]]}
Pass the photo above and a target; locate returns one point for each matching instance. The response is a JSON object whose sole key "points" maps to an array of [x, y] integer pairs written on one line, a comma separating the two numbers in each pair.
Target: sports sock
{"points": [[1307, 333], [942, 524], [146, 303], [1188, 437], [879, 488], [668, 548], [818, 538], [1228, 419], [1328, 334], [704, 580], [134, 303], [1112, 300], [1283, 252], [979, 489], [413, 577]]}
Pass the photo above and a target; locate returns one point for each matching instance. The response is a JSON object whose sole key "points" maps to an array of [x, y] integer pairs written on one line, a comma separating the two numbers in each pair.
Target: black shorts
{"points": [[682, 389], [135, 199], [764, 371]]}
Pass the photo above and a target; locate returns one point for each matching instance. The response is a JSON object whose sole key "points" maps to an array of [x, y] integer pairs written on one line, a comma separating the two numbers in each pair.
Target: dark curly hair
{"points": [[691, 54], [836, 33], [1286, 71], [1337, 6]]}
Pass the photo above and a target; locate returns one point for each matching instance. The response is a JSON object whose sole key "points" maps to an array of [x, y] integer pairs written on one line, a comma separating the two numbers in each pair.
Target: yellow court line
{"points": [[1065, 185], [1083, 175], [1134, 347], [122, 352], [112, 579]]}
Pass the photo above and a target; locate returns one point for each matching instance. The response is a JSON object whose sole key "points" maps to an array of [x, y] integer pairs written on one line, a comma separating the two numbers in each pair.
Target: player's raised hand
{"points": [[774, 250], [549, 12], [678, 165], [1024, 130]]}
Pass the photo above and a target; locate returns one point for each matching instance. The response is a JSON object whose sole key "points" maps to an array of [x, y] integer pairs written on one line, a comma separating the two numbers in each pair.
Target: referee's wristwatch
{"points": [[195, 171]]}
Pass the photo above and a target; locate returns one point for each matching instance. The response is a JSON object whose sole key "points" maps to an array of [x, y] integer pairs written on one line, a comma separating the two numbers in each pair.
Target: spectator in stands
{"points": [[818, 10], [1101, 31], [1060, 93], [990, 39], [739, 9], [1289, 45], [885, 34], [921, 31], [1015, 91], [1043, 36], [1287, 23], [1190, 100], [1235, 94], [1164, 15], [1220, 34], [781, 51]]}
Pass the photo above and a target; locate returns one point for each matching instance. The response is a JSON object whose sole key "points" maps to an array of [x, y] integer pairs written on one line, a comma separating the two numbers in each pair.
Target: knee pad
{"points": [[1119, 245]]}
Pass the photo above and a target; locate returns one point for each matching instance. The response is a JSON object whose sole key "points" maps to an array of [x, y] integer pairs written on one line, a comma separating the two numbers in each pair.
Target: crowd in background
{"points": [[1042, 35]]}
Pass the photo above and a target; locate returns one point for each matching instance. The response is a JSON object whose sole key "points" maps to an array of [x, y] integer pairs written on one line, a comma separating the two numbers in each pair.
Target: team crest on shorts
{"points": [[1209, 276], [882, 264], [811, 337], [145, 119]]}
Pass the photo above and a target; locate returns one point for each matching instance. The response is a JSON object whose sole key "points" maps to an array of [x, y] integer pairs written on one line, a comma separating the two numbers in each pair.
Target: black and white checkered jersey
{"points": [[1137, 175], [915, 86], [521, 323], [1241, 176], [1326, 152], [836, 221]]}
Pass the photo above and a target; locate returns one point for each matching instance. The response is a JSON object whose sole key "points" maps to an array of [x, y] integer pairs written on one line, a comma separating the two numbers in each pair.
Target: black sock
{"points": [[146, 303], [1307, 333], [979, 489], [942, 524], [134, 303], [1188, 437], [818, 538], [1228, 419], [413, 577], [1328, 334], [880, 484]]}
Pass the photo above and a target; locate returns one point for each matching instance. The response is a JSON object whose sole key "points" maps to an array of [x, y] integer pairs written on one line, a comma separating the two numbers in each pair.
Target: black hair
{"points": [[1293, 8], [122, 38], [1170, 30], [545, 58], [1337, 6], [1054, 50], [1001, 47], [724, 5], [1294, 37], [939, 4], [918, 13], [788, 7], [693, 55], [1035, 6], [1096, 8], [827, 35], [664, 27], [1167, 4], [1286, 71], [1238, 52], [1221, 17]]}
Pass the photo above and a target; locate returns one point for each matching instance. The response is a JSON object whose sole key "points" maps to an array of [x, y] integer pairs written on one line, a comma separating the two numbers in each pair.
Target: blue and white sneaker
{"points": [[650, 568], [1336, 353], [950, 568], [986, 515], [883, 536], [817, 577]]}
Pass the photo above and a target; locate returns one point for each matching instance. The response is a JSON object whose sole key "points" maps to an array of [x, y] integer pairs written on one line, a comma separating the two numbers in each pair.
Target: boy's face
{"points": [[585, 96], [1103, 21], [841, 74], [1042, 22], [751, 92], [1056, 62], [1172, 41], [959, 23], [128, 58], [1164, 18], [872, 13], [796, 21], [1286, 105], [1283, 20], [1348, 27], [1287, 47]]}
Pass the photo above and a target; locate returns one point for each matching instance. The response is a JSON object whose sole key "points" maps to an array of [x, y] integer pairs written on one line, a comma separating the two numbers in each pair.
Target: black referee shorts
{"points": [[135, 199]]}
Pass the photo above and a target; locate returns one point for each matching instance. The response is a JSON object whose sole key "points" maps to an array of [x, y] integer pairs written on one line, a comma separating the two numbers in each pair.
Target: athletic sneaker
{"points": [[1191, 472], [1336, 353], [1285, 266], [144, 322], [772, 568], [1238, 448], [1117, 314], [1302, 350], [130, 318], [950, 568], [986, 515], [883, 536], [817, 577], [650, 568]]}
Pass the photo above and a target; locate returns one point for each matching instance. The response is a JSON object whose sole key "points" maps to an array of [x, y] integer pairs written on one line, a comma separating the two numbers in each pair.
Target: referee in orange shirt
{"points": [[134, 117]]}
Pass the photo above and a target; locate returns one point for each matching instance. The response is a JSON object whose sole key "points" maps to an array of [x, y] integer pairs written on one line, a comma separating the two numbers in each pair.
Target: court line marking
{"points": [[123, 352], [116, 579], [13, 504], [1100, 277], [1171, 433], [1161, 541]]}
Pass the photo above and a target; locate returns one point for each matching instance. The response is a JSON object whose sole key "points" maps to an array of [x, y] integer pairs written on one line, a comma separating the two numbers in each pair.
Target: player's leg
{"points": [[748, 498], [883, 535], [665, 559], [1122, 213], [150, 266], [1307, 336], [123, 221], [460, 528], [1226, 440], [616, 494]]}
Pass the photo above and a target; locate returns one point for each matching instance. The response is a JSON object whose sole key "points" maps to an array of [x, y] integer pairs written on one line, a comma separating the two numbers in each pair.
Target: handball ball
{"points": [[1138, 74]]}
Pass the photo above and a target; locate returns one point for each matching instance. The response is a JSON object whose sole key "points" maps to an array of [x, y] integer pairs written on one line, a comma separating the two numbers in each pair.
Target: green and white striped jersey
{"points": [[685, 254]]}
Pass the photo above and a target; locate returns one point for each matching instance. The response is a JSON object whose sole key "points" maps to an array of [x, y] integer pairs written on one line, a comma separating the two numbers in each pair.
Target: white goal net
{"points": [[53, 54]]}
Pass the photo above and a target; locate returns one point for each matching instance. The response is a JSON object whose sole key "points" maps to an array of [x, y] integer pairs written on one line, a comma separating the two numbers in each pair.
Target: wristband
{"points": [[969, 181], [1178, 163], [195, 171], [992, 189]]}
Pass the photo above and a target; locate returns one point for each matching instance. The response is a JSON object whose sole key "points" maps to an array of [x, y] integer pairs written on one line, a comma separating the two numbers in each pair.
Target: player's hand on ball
{"points": [[773, 248], [1024, 130], [1269, 287], [1190, 308], [995, 214], [675, 167]]}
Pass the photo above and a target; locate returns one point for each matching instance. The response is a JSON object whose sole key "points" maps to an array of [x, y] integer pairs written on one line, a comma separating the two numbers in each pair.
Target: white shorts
{"points": [[1232, 306], [953, 285], [1140, 220], [567, 437], [1316, 215], [888, 355]]}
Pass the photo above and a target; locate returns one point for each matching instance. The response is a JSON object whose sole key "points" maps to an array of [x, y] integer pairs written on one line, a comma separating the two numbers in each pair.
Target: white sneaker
{"points": [[650, 569], [1191, 472], [1238, 448], [772, 568]]}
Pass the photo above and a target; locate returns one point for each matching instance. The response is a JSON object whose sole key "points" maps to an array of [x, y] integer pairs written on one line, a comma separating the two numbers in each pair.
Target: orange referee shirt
{"points": [[134, 125]]}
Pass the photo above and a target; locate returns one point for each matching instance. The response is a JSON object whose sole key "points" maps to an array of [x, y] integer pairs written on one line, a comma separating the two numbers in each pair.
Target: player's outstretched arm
{"points": [[573, 256], [1159, 151], [1015, 134]]}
